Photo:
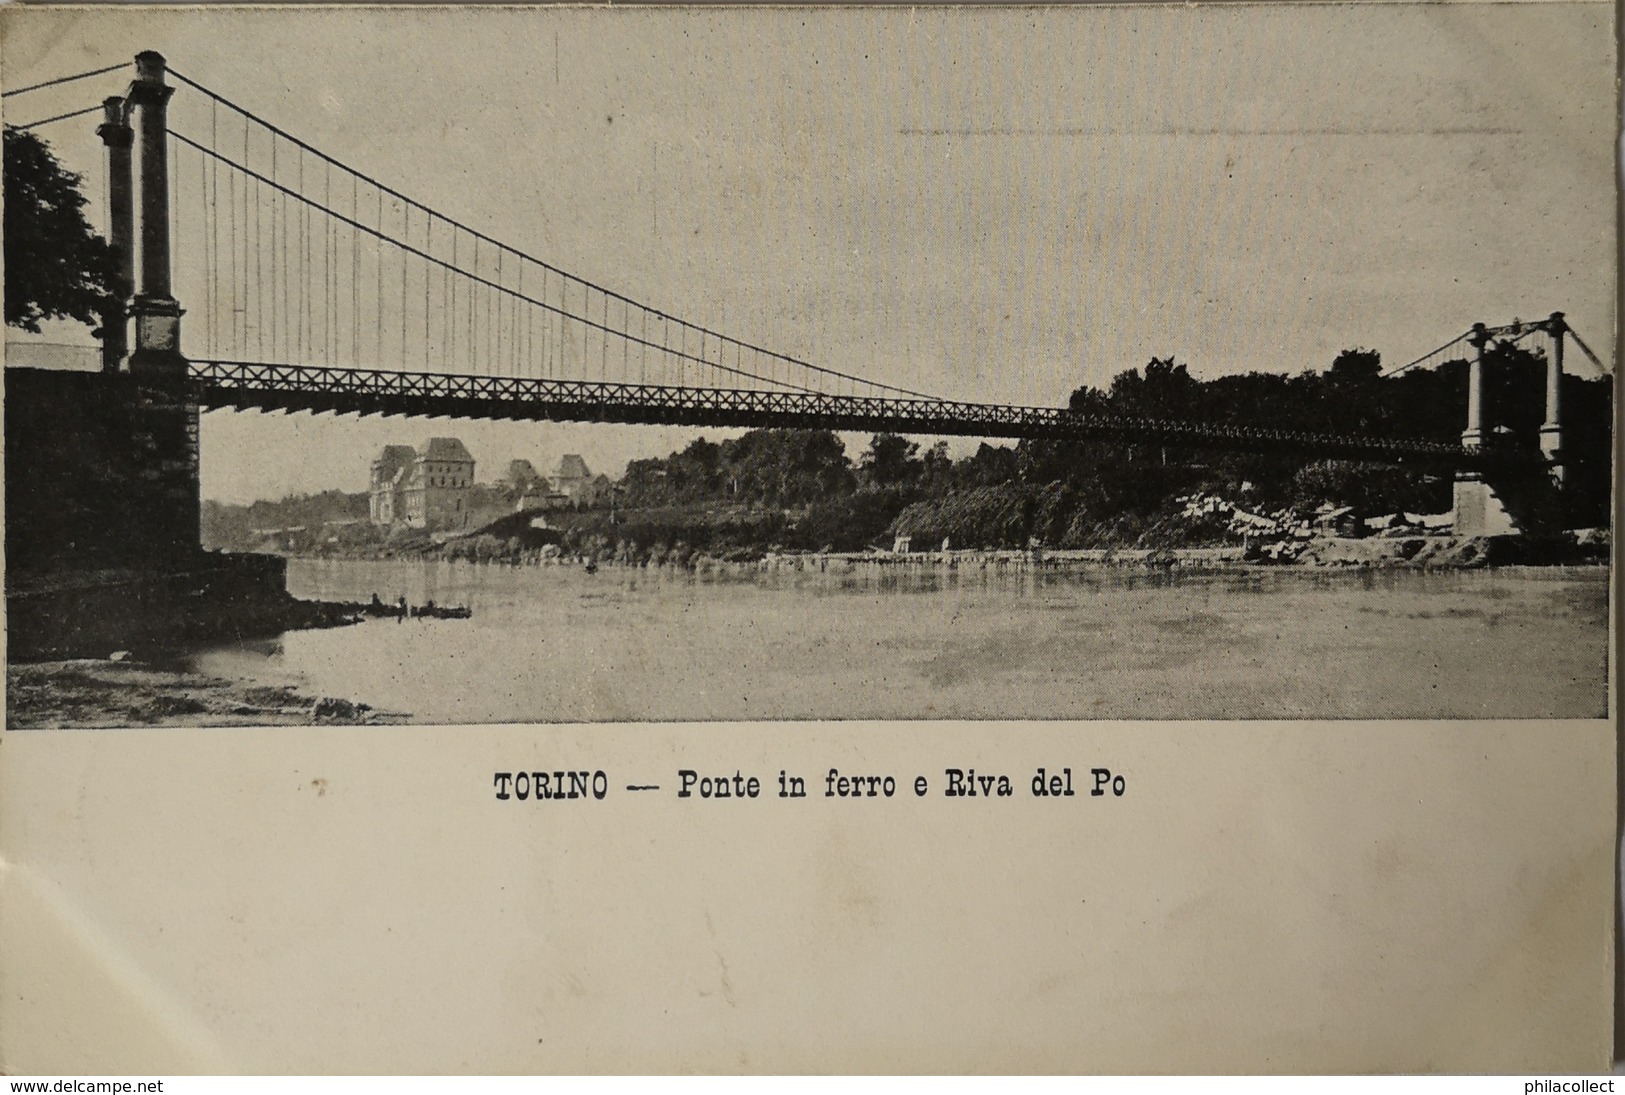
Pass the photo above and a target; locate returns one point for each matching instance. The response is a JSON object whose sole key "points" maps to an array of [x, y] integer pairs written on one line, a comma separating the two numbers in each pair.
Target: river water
{"points": [[556, 644]]}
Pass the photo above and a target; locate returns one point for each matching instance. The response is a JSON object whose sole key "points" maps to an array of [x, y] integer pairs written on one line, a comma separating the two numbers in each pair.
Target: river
{"points": [[557, 644]]}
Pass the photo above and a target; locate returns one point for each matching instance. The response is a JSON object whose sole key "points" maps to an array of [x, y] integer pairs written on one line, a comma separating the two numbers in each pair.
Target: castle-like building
{"points": [[570, 485], [431, 487], [423, 488]]}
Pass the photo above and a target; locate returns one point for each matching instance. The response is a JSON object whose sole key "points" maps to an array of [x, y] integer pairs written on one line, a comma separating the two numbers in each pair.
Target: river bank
{"points": [[89, 693], [73, 612], [1442, 552]]}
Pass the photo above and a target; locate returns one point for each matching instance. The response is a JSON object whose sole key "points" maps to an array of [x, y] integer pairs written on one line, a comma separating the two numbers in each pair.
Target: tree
{"points": [[937, 469], [787, 467], [693, 473], [1372, 489], [890, 461], [1166, 391], [57, 267], [1356, 367], [988, 466], [645, 482]]}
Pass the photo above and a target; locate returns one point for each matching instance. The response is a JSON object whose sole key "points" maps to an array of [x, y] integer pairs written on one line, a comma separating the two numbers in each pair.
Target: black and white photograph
{"points": [[563, 377], [799, 540]]}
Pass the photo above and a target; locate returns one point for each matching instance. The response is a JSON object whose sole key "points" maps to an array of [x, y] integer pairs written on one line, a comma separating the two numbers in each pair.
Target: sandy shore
{"points": [[91, 693]]}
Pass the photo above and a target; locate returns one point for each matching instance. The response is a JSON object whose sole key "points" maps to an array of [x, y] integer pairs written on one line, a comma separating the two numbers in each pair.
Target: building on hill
{"points": [[436, 492], [540, 497], [570, 485], [573, 480], [522, 476], [389, 471], [423, 488]]}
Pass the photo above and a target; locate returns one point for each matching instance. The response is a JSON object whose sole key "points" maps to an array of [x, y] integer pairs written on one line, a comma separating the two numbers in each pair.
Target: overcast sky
{"points": [[988, 204]]}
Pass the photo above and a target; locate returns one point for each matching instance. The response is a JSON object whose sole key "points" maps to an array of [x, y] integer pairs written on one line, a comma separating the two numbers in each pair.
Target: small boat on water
{"points": [[427, 611], [432, 611]]}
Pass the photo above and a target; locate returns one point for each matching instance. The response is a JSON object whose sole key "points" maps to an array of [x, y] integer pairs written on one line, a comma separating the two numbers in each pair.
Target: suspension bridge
{"points": [[316, 287]]}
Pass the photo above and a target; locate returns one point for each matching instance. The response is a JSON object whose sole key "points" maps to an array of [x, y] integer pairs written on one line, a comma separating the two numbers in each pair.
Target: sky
{"points": [[989, 204]]}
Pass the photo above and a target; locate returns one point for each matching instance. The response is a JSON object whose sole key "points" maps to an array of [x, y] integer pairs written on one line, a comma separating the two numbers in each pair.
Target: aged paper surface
{"points": [[1265, 898], [1268, 895]]}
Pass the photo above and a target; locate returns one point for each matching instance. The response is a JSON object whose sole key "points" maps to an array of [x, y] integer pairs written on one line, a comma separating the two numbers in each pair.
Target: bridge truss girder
{"points": [[339, 390]]}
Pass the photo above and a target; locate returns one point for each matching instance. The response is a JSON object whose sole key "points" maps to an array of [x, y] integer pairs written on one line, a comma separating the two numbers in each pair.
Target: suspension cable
{"points": [[63, 80], [1580, 342], [55, 118], [380, 237], [1424, 357], [481, 236]]}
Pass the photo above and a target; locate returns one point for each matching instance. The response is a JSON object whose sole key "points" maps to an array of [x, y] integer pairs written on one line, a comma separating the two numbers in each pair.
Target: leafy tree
{"points": [[988, 466], [693, 473], [890, 461], [937, 469], [57, 267], [785, 467], [1166, 391], [1371, 489], [645, 482], [1087, 400], [1356, 367]]}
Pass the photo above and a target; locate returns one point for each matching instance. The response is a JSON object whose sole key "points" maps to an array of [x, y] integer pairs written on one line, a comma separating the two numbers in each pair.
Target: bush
{"points": [[1370, 488]]}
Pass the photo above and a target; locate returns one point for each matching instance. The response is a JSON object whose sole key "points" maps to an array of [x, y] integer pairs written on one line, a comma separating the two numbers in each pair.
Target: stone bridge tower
{"points": [[147, 327], [1511, 501]]}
